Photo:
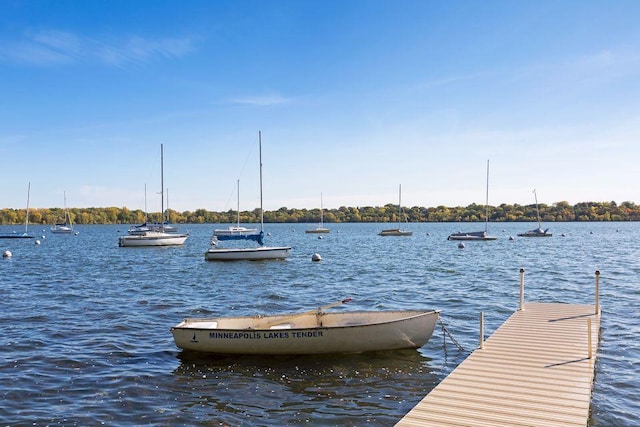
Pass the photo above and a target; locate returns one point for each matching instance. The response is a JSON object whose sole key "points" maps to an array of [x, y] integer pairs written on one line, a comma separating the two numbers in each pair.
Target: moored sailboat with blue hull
{"points": [[249, 243]]}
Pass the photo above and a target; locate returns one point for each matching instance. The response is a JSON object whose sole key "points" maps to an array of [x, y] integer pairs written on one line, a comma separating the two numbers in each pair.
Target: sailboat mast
{"points": [[321, 212], [261, 210], [26, 223], [399, 202], [486, 203], [145, 204], [537, 210], [238, 201], [162, 185]]}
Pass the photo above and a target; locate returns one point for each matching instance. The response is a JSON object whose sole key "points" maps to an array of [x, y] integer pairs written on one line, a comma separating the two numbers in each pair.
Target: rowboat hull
{"points": [[348, 332], [246, 254], [152, 239]]}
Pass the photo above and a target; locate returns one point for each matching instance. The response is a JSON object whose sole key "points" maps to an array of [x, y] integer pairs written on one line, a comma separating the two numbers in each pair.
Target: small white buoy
{"points": [[320, 237], [461, 245], [428, 234], [562, 234], [37, 242], [511, 238], [316, 257], [43, 237], [77, 232], [7, 254]]}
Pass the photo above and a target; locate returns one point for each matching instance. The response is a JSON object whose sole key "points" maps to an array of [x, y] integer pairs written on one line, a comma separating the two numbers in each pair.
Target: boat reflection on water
{"points": [[342, 389]]}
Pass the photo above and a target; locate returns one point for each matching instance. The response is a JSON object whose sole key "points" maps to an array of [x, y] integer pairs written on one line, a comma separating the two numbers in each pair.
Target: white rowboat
{"points": [[314, 332]]}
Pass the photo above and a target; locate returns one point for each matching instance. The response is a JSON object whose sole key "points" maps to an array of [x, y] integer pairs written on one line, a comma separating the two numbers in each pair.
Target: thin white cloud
{"points": [[261, 100], [53, 47]]}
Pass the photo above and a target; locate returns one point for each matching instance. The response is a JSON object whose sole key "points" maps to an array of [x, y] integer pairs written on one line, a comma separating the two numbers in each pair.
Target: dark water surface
{"points": [[85, 324]]}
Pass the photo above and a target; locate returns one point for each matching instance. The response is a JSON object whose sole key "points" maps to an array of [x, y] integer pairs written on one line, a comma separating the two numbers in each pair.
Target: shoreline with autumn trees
{"points": [[557, 212]]}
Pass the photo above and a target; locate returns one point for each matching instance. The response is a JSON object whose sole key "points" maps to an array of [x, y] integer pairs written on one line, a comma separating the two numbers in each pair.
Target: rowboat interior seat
{"points": [[281, 326], [211, 325]]}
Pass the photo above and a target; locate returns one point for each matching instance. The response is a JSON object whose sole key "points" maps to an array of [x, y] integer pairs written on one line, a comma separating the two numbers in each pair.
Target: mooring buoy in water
{"points": [[316, 257], [461, 245], [7, 254]]}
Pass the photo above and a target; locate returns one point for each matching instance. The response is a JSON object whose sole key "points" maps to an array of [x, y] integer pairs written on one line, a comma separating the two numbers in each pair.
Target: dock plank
{"points": [[533, 371]]}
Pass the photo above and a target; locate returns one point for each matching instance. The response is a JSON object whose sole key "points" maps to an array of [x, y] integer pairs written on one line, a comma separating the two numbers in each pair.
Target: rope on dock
{"points": [[446, 332]]}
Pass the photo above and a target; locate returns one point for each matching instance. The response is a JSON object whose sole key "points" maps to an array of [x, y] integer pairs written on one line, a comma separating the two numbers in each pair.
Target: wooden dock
{"points": [[535, 370]]}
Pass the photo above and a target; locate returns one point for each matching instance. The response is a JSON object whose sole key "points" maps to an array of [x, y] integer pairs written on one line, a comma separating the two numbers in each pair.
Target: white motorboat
{"points": [[314, 332]]}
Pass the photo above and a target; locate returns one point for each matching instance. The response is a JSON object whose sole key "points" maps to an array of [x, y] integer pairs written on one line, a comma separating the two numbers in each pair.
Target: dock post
{"points": [[589, 338], [481, 330], [597, 292], [522, 289]]}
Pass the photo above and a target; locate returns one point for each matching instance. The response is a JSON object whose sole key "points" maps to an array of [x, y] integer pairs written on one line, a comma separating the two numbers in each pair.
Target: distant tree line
{"points": [[561, 211]]}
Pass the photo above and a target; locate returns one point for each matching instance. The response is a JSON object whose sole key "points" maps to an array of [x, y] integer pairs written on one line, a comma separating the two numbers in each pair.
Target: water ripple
{"points": [[86, 335]]}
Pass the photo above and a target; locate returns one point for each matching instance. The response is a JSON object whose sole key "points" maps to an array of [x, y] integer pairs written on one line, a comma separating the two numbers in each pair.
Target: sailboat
{"points": [[320, 228], [538, 232], [24, 235], [397, 231], [159, 236], [235, 229], [217, 252], [65, 227], [477, 235], [153, 226]]}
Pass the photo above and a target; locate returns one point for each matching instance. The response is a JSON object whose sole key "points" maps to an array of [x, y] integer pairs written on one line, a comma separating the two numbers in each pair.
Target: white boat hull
{"points": [[61, 229], [246, 254], [538, 232], [348, 332], [319, 230], [152, 239], [235, 231], [471, 236], [395, 232]]}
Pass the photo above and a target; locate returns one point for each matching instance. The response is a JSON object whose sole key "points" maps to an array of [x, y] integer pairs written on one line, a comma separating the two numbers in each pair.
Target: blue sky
{"points": [[352, 97]]}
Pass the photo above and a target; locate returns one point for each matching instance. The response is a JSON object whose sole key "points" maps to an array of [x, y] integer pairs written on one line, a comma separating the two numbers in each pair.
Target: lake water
{"points": [[86, 325]]}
